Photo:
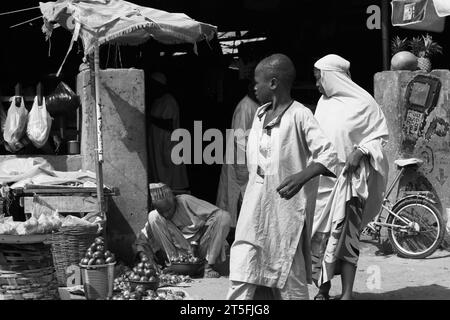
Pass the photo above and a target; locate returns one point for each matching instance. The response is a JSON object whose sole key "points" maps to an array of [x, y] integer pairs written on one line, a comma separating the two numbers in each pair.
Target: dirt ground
{"points": [[379, 277]]}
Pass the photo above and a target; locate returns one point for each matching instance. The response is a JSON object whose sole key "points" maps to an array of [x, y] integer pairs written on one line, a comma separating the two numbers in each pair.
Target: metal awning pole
{"points": [[385, 30], [99, 149]]}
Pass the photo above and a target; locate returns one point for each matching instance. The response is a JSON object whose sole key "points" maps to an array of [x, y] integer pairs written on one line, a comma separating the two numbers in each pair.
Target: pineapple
{"points": [[424, 48], [398, 45]]}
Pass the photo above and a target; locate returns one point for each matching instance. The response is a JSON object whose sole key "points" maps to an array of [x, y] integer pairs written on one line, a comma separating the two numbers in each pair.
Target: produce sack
{"points": [[15, 124], [8, 226], [39, 124], [44, 218], [63, 99]]}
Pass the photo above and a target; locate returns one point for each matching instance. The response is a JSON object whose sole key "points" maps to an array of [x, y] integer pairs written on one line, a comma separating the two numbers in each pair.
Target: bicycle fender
{"points": [[414, 196]]}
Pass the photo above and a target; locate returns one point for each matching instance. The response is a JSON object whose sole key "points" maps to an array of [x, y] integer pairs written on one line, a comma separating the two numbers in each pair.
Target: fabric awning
{"points": [[121, 22]]}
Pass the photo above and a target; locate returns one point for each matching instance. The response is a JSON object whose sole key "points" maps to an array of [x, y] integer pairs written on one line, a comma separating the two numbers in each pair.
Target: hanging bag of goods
{"points": [[62, 100], [39, 124], [15, 124]]}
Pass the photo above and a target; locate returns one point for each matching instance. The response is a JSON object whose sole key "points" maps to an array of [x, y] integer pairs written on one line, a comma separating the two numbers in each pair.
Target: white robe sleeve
{"points": [[320, 147], [375, 151]]}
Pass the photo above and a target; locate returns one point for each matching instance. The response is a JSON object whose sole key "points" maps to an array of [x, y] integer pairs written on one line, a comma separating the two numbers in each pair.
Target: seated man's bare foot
{"points": [[210, 272]]}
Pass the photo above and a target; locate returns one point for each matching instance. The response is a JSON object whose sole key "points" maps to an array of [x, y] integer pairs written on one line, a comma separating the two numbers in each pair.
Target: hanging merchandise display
{"points": [[15, 124], [39, 124], [62, 100]]}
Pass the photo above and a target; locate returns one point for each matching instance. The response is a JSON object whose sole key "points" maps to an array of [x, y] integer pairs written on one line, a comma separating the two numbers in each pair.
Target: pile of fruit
{"points": [[141, 294], [142, 272], [124, 291], [173, 279], [121, 283], [185, 258], [97, 254]]}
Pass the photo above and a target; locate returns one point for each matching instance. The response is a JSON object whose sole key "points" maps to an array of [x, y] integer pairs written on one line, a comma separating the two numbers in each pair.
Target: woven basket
{"points": [[27, 273], [38, 284], [69, 246], [20, 257]]}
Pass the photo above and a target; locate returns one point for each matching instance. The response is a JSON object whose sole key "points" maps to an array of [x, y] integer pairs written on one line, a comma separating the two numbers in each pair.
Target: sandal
{"points": [[211, 274], [322, 296]]}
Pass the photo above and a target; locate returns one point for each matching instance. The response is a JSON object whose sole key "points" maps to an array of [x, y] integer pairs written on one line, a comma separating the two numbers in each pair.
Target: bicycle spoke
{"points": [[416, 242]]}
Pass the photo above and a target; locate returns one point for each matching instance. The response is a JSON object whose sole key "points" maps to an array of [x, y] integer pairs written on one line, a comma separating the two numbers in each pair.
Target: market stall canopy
{"points": [[121, 22], [420, 14]]}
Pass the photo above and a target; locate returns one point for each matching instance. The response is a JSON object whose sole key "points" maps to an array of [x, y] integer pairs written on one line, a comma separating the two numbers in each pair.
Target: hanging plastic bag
{"points": [[39, 124], [15, 124], [62, 100]]}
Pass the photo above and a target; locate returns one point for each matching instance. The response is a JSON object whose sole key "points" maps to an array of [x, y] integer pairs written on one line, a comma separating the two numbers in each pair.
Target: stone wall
{"points": [[125, 156], [432, 142]]}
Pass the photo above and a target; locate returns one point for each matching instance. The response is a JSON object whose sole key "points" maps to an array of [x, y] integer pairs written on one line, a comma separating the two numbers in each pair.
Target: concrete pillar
{"points": [[433, 142], [125, 157]]}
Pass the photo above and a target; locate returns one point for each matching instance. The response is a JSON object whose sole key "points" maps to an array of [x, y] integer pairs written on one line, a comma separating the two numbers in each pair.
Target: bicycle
{"points": [[415, 225]]}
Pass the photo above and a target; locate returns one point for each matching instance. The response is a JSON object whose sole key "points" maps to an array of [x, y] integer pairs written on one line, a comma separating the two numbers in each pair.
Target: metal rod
{"points": [[394, 183], [98, 105], [98, 116], [382, 224], [25, 22], [20, 10], [395, 215], [385, 30]]}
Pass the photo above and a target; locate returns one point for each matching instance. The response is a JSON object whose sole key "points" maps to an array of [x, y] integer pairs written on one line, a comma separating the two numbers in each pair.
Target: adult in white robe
{"points": [[286, 149], [164, 118], [354, 122], [234, 173]]}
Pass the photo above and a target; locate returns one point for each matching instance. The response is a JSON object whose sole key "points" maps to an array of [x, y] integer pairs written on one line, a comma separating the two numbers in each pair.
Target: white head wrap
{"points": [[347, 113], [333, 62]]}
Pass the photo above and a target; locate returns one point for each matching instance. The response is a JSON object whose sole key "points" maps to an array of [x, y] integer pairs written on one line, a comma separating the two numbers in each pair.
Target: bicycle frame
{"points": [[388, 208], [406, 226]]}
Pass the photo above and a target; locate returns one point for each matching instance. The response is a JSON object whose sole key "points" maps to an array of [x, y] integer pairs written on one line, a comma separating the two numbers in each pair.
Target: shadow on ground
{"points": [[384, 249], [430, 292]]}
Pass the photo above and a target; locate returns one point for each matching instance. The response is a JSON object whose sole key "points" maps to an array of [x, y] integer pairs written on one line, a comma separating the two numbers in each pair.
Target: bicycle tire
{"points": [[424, 203]]}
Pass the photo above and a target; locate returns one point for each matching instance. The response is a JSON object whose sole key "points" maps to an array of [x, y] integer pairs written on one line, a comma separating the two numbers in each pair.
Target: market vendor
{"points": [[179, 220]]}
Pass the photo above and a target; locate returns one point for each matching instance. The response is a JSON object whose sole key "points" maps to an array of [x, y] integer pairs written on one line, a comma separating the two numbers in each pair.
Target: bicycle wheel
{"points": [[426, 233]]}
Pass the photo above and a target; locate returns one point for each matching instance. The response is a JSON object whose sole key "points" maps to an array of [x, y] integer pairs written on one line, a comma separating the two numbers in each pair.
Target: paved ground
{"points": [[379, 277]]}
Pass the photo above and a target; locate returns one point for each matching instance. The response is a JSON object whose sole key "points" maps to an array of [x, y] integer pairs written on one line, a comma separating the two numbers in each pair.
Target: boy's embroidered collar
{"points": [[275, 121]]}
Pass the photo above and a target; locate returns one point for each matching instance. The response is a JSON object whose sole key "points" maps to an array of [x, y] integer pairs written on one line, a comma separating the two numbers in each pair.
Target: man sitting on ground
{"points": [[176, 221]]}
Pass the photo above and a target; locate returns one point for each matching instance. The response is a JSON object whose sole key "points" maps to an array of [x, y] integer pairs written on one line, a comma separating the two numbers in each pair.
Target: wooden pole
{"points": [[99, 144], [385, 30]]}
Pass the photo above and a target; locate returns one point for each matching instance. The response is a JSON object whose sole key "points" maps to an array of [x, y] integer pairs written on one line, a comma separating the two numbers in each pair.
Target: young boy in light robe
{"points": [[286, 149]]}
